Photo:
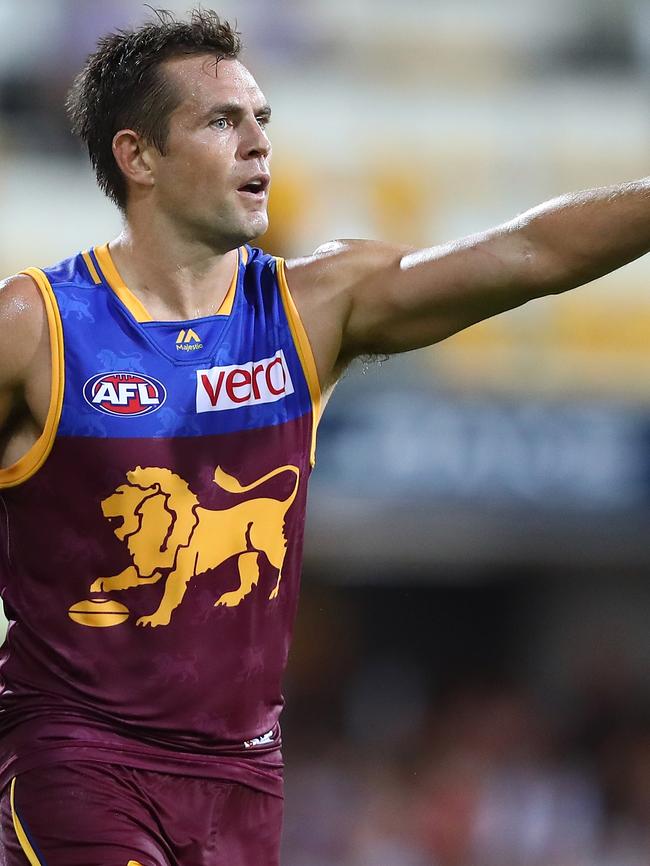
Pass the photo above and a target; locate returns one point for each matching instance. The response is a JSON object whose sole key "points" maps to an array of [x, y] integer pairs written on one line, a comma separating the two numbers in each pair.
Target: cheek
{"points": [[194, 165], [190, 184]]}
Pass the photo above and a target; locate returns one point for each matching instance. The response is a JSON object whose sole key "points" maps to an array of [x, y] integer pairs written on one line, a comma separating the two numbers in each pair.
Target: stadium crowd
{"points": [[386, 768]]}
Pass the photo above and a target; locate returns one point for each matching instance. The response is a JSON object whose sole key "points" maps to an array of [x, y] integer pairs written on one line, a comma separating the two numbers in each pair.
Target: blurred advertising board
{"points": [[408, 475], [553, 454]]}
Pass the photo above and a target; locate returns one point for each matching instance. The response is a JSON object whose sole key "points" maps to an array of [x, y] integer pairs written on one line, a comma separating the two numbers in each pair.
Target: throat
{"points": [[177, 290], [183, 312]]}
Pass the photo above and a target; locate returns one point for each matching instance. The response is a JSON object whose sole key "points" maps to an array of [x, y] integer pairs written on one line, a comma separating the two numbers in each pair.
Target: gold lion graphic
{"points": [[167, 531]]}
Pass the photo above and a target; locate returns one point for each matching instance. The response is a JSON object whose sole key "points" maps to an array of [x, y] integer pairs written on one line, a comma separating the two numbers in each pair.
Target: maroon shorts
{"points": [[87, 813]]}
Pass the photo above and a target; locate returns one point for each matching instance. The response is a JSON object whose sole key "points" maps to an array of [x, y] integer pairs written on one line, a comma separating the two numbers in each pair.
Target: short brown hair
{"points": [[122, 86]]}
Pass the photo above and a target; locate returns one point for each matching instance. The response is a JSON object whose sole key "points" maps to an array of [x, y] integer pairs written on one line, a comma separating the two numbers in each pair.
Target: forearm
{"points": [[581, 236]]}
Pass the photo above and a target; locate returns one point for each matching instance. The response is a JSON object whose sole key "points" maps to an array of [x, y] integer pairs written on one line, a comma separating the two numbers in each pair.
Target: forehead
{"points": [[202, 82]]}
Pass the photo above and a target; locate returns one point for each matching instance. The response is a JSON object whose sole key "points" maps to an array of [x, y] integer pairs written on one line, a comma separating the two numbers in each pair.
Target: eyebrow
{"points": [[233, 109]]}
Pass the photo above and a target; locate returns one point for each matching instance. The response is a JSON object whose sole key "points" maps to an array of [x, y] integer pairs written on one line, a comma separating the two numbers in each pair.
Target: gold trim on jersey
{"points": [[25, 844], [225, 308], [29, 463], [91, 267], [305, 353], [135, 306]]}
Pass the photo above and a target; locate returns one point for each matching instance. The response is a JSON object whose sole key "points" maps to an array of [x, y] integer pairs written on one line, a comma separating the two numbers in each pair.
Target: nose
{"points": [[255, 141]]}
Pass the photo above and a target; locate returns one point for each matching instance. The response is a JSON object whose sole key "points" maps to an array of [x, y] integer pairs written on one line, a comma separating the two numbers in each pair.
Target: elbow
{"points": [[543, 270]]}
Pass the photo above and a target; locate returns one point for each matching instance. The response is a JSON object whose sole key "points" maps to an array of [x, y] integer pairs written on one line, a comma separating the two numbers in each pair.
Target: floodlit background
{"points": [[470, 676]]}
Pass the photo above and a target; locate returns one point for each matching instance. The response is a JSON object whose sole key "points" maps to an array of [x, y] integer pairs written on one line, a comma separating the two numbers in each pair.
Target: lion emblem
{"points": [[169, 535]]}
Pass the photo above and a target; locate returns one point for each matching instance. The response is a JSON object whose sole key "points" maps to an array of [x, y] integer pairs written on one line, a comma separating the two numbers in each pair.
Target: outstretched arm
{"points": [[360, 297]]}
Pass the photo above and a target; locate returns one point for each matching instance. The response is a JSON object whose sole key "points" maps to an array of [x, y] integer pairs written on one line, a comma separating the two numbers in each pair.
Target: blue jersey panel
{"points": [[216, 374]]}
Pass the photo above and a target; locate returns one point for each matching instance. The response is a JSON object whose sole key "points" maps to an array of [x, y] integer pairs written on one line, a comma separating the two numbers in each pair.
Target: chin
{"points": [[223, 242], [232, 234], [256, 229], [260, 224]]}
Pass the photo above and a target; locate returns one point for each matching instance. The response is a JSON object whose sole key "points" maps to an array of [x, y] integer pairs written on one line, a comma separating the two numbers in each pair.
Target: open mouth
{"points": [[255, 187]]}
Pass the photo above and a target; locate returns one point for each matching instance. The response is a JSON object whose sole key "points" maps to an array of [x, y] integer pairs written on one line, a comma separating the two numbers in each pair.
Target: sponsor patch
{"points": [[249, 384], [124, 393]]}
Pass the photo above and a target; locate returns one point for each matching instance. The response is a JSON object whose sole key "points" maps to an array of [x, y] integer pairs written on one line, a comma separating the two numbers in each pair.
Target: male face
{"points": [[213, 179]]}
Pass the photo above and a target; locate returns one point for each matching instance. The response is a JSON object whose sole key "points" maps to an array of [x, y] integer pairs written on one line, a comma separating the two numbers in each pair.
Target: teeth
{"points": [[254, 186]]}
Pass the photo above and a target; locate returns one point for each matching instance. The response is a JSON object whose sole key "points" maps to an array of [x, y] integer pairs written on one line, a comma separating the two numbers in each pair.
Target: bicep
{"points": [[413, 298], [322, 287], [366, 297]]}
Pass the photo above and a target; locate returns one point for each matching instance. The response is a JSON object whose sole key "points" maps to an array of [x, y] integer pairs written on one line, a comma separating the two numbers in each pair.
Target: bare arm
{"points": [[24, 367], [384, 299]]}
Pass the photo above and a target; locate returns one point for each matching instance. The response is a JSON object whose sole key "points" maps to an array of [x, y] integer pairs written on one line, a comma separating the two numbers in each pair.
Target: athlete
{"points": [[159, 398]]}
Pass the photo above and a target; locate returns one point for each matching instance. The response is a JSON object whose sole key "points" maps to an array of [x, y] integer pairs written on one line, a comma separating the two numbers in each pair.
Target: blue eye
{"points": [[220, 123]]}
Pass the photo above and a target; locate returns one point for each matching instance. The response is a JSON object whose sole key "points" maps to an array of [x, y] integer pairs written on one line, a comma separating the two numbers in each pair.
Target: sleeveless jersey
{"points": [[152, 537]]}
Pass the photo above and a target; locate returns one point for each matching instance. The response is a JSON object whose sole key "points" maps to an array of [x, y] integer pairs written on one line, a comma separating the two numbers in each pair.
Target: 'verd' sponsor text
{"points": [[263, 381]]}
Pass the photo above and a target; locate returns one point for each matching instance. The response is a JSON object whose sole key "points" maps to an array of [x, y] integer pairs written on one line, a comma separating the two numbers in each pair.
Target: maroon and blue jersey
{"points": [[152, 537]]}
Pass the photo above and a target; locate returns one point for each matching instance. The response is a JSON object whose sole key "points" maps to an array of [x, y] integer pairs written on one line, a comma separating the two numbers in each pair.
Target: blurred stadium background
{"points": [[469, 683]]}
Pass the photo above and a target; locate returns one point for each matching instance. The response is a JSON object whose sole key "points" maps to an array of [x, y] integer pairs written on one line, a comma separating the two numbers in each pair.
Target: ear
{"points": [[134, 157]]}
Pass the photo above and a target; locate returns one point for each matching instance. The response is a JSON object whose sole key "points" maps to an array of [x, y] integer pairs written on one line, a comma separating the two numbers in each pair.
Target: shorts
{"points": [[86, 813]]}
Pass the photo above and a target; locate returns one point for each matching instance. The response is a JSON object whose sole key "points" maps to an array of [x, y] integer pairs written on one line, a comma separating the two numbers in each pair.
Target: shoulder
{"points": [[325, 287], [19, 291], [339, 272], [23, 326], [21, 304], [340, 263]]}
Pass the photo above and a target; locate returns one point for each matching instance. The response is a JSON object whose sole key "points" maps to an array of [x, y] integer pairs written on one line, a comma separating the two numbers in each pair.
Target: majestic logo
{"points": [[188, 341], [172, 538], [247, 384], [124, 393]]}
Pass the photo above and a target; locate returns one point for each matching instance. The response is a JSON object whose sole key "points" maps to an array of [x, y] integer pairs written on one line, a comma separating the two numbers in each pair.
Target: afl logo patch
{"points": [[124, 393]]}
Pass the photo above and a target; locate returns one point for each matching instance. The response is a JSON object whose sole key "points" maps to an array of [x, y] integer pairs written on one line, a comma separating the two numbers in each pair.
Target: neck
{"points": [[176, 278]]}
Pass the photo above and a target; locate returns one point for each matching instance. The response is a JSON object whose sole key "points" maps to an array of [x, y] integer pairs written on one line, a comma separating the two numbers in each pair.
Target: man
{"points": [[160, 396]]}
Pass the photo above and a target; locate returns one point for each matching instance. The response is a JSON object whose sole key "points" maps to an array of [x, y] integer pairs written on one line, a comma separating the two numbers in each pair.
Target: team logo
{"points": [[124, 393], [248, 384], [188, 341], [172, 539]]}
